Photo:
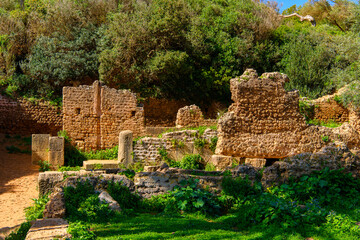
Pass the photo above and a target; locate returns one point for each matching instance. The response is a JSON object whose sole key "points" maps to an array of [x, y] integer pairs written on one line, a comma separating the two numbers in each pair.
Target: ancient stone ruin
{"points": [[47, 149], [264, 121], [95, 115]]}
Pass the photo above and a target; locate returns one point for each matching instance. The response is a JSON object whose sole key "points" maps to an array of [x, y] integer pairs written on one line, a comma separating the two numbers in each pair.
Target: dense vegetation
{"points": [[176, 49], [323, 205]]}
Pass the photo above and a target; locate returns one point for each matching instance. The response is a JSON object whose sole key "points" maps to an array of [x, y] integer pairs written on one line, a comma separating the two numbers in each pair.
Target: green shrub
{"points": [[44, 166], [123, 196], [213, 143], [329, 124], [72, 156], [80, 230], [92, 210], [68, 168], [192, 161], [200, 143], [21, 233], [110, 154], [210, 167], [56, 60], [327, 186], [189, 198], [240, 189], [36, 210], [307, 110], [74, 197]]}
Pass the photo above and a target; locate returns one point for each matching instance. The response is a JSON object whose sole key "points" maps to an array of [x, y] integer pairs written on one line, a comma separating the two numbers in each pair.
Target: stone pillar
{"points": [[125, 148], [56, 151], [40, 147]]}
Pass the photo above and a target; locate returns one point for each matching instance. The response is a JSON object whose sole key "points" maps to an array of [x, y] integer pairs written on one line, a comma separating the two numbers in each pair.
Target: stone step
{"points": [[52, 228], [100, 164]]}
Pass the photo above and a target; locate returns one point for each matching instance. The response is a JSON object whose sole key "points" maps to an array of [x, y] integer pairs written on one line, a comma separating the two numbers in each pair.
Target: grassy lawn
{"points": [[147, 226]]}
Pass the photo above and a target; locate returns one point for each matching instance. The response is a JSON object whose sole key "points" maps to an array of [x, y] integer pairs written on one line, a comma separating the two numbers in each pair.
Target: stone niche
{"points": [[95, 115], [264, 121]]}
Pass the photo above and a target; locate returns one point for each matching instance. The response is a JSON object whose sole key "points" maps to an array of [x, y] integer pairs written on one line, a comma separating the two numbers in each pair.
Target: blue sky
{"points": [[288, 3]]}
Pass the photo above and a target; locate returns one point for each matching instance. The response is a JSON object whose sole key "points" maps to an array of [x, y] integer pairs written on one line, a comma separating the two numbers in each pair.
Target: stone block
{"points": [[56, 151], [56, 159], [47, 180], [53, 228], [56, 144], [256, 162], [40, 148], [40, 142], [39, 156], [125, 147], [221, 161], [102, 164]]}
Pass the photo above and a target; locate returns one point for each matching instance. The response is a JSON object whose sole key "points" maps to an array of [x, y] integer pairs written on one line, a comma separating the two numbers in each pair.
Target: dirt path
{"points": [[18, 182]]}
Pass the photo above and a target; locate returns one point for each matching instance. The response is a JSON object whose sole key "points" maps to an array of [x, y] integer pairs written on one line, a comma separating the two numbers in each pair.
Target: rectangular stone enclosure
{"points": [[93, 116]]}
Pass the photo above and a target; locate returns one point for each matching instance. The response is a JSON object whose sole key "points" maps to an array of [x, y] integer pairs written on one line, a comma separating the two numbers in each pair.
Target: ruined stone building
{"points": [[93, 116], [265, 122]]}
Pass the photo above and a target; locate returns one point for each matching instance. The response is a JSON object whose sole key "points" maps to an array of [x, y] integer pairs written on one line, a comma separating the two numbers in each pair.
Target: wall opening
{"points": [[270, 161]]}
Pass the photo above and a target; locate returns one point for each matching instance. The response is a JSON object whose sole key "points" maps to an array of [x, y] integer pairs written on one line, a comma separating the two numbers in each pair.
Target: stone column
{"points": [[39, 148], [125, 148], [56, 151]]}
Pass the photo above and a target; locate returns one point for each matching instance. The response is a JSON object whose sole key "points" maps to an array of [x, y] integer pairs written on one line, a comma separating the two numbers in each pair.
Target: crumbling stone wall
{"points": [[177, 144], [95, 115], [264, 121], [19, 116], [189, 116], [192, 116], [327, 109]]}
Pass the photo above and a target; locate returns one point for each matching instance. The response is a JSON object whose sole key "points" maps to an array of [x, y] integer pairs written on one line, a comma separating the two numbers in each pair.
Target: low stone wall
{"points": [[177, 144], [19, 116]]}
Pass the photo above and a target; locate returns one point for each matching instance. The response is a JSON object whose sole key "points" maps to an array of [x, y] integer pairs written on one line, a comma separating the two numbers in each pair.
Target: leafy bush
{"points": [[72, 156], [36, 210], [80, 230], [190, 45], [123, 196], [44, 166], [111, 153], [327, 186], [240, 189], [307, 110], [189, 198], [21, 233], [191, 161], [213, 143], [200, 143], [92, 210], [68, 168]]}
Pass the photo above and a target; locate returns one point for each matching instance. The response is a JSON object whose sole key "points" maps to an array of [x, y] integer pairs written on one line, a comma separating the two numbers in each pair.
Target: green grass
{"points": [[147, 226], [201, 129], [329, 124]]}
